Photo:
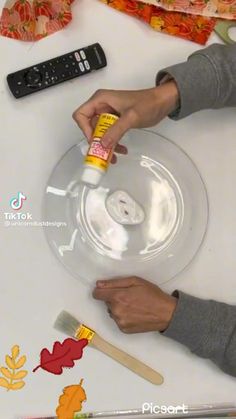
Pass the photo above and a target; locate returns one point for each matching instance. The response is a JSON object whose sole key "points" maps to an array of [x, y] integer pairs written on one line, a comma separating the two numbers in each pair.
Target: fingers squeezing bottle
{"points": [[98, 157]]}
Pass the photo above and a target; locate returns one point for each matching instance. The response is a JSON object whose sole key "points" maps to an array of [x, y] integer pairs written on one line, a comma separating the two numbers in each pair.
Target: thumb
{"points": [[118, 282], [116, 132]]}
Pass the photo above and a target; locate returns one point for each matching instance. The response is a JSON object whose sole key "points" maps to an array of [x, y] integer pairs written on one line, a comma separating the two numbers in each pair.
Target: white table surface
{"points": [[34, 287]]}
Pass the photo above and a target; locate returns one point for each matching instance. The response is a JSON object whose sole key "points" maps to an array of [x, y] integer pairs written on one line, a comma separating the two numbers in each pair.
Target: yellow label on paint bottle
{"points": [[105, 121], [99, 156]]}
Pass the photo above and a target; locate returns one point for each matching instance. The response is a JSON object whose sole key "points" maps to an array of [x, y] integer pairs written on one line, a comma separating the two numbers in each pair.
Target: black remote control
{"points": [[55, 71]]}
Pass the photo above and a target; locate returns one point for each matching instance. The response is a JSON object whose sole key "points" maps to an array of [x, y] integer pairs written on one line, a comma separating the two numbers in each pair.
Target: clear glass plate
{"points": [[165, 183]]}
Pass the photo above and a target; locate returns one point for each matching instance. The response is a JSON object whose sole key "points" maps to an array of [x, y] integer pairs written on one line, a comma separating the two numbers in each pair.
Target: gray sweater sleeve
{"points": [[207, 80], [207, 328]]}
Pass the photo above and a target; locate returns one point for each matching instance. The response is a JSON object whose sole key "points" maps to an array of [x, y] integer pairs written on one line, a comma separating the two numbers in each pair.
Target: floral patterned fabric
{"points": [[195, 28], [225, 9], [30, 20]]}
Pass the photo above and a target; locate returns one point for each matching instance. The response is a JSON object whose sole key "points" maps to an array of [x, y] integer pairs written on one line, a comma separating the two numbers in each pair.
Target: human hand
{"points": [[136, 109], [135, 304]]}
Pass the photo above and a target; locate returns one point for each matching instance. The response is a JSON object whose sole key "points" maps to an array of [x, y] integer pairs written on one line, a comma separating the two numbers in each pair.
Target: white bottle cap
{"points": [[91, 176]]}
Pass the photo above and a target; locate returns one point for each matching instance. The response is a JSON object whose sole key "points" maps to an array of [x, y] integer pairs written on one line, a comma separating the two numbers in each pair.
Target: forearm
{"points": [[207, 328], [207, 80]]}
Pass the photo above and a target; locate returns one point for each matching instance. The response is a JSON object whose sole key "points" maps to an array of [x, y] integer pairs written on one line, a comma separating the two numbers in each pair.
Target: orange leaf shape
{"points": [[71, 401]]}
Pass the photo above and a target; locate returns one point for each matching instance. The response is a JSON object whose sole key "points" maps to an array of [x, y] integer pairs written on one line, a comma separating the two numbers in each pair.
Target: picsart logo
{"points": [[16, 203], [151, 408]]}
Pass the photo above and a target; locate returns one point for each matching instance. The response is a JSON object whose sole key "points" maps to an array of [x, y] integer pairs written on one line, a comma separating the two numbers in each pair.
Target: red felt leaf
{"points": [[63, 355]]}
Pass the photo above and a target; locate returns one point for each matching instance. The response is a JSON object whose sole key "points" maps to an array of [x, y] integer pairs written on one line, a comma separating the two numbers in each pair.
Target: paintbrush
{"points": [[69, 325], [199, 411], [137, 414]]}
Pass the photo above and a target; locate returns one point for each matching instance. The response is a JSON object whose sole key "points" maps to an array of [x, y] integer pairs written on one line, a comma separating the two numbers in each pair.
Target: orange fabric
{"points": [[192, 27], [225, 9], [31, 20]]}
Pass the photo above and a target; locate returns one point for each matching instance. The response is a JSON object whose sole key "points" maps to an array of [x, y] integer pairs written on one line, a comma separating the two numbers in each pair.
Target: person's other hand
{"points": [[136, 109], [135, 304]]}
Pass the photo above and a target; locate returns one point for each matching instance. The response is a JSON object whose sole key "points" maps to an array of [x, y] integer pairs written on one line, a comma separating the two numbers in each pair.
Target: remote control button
{"points": [[33, 78], [71, 57], [43, 66], [67, 66], [81, 66], [76, 70], [73, 63], [67, 73], [19, 83], [82, 54], [87, 66], [77, 56], [63, 59]]}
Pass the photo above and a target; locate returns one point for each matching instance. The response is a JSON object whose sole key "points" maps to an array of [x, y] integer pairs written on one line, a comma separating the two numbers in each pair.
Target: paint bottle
{"points": [[98, 157]]}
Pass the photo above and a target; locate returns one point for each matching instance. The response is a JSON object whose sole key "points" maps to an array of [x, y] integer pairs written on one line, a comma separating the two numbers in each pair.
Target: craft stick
{"points": [[127, 360]]}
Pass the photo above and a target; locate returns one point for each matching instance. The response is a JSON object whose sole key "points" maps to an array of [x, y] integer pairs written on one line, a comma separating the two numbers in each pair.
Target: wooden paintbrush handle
{"points": [[128, 361]]}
